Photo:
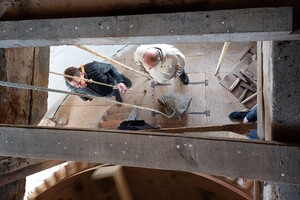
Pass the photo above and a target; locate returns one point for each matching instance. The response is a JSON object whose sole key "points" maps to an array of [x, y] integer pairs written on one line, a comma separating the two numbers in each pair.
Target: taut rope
{"points": [[44, 89], [110, 60], [95, 82]]}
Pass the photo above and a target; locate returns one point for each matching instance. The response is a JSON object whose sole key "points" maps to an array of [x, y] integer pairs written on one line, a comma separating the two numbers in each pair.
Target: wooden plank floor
{"points": [[201, 61]]}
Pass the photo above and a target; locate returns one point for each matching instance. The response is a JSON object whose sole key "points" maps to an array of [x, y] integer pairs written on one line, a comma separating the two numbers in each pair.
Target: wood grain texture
{"points": [[234, 158], [216, 26]]}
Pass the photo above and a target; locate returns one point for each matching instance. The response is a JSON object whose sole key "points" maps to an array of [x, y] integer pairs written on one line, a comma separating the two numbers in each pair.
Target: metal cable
{"points": [[111, 60], [44, 89], [95, 82]]}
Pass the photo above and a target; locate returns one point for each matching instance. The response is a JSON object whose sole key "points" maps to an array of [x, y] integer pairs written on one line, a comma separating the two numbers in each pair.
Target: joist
{"points": [[239, 128], [267, 161], [181, 27], [21, 174]]}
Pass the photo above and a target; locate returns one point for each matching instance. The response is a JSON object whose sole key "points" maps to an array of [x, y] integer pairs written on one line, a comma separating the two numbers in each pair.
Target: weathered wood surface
{"points": [[25, 66], [240, 128], [26, 171], [233, 84], [255, 24], [233, 158], [9, 164]]}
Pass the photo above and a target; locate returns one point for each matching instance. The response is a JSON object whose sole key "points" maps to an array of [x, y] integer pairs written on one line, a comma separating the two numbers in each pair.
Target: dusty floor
{"points": [[201, 62]]}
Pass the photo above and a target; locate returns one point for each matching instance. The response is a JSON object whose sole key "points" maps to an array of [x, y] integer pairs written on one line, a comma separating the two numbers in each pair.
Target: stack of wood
{"points": [[241, 80]]}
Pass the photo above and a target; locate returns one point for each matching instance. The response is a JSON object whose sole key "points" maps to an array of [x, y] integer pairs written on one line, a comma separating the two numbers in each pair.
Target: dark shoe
{"points": [[238, 115], [184, 78]]}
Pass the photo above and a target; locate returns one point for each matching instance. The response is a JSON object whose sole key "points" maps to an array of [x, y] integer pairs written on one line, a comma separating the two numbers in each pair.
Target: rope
{"points": [[79, 78], [44, 89], [95, 82], [110, 60]]}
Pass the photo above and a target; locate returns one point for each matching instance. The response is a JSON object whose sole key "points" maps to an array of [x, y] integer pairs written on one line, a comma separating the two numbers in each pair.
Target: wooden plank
{"points": [[117, 179], [159, 91], [220, 26], [223, 53], [245, 62], [111, 124], [80, 116], [233, 158], [266, 92], [20, 174], [240, 128], [10, 165], [198, 94]]}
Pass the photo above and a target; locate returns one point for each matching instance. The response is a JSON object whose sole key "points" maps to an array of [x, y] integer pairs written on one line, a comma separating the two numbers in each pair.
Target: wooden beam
{"points": [[253, 24], [260, 95], [14, 176], [267, 161], [223, 53], [239, 128], [9, 164]]}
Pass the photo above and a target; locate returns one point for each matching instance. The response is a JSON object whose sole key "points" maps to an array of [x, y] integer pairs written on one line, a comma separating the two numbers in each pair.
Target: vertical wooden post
{"points": [[260, 101]]}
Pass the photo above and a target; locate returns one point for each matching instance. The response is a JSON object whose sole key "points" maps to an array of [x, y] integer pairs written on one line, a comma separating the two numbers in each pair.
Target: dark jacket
{"points": [[100, 72]]}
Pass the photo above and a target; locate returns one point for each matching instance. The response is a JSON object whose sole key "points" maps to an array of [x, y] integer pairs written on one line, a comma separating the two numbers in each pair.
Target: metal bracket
{"points": [[205, 82], [153, 84], [206, 113]]}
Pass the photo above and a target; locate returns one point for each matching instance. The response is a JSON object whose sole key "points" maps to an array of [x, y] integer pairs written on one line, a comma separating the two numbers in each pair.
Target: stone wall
{"points": [[286, 91]]}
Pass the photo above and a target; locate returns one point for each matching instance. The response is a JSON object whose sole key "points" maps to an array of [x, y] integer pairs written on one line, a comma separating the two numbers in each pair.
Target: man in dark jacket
{"points": [[99, 72]]}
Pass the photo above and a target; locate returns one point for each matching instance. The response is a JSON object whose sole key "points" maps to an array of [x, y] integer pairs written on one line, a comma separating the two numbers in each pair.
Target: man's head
{"points": [[151, 57], [75, 82]]}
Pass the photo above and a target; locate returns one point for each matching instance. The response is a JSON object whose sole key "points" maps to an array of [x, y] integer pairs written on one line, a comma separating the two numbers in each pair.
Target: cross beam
{"points": [[267, 161], [254, 24]]}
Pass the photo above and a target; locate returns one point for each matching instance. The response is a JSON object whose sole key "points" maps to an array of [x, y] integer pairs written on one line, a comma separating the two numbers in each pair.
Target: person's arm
{"points": [[110, 69], [116, 76], [180, 61]]}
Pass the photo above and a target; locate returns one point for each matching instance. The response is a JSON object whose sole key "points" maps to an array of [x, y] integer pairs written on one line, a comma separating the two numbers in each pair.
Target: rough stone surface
{"points": [[288, 192], [286, 91]]}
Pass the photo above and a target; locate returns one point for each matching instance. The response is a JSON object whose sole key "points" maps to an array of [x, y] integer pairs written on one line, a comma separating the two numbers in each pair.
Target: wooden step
{"points": [[121, 116], [112, 124]]}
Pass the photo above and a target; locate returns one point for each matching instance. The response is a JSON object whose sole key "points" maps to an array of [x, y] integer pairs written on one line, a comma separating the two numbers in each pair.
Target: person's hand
{"points": [[122, 87], [245, 121]]}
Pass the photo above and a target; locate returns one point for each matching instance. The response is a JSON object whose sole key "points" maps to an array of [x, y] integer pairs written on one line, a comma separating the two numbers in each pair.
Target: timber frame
{"points": [[155, 150], [227, 157], [213, 26]]}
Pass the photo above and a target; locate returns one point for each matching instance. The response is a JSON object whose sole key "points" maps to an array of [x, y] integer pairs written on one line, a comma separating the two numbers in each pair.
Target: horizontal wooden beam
{"points": [[238, 128], [255, 24], [234, 158], [10, 164], [20, 174]]}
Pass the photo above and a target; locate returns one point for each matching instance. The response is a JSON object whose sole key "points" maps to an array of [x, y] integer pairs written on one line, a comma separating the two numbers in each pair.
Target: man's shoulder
{"points": [[96, 65], [144, 47]]}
